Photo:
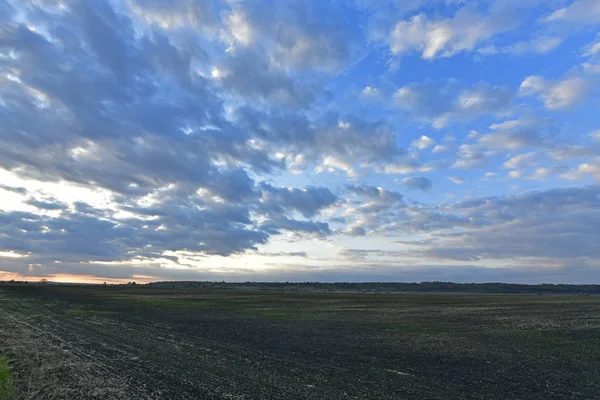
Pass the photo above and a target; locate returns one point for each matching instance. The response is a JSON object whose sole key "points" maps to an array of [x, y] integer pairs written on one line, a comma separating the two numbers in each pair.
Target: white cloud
{"points": [[440, 104], [540, 174], [469, 156], [240, 29], [168, 15], [293, 36], [446, 37], [520, 161], [514, 174], [422, 143], [333, 164], [440, 148], [488, 176], [516, 134], [592, 49], [591, 169], [405, 168], [458, 180], [370, 91], [579, 12], [543, 173], [555, 94], [540, 45]]}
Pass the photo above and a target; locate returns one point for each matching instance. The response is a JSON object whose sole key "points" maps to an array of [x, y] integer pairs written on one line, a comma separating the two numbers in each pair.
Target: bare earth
{"points": [[72, 342]]}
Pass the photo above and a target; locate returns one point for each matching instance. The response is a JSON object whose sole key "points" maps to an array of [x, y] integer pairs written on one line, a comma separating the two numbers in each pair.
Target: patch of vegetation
{"points": [[7, 390]]}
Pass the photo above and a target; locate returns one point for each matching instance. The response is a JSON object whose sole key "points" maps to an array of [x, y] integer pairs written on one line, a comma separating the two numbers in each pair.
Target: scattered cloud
{"points": [[579, 12], [417, 183], [445, 37], [556, 94], [440, 104], [422, 143], [458, 180]]}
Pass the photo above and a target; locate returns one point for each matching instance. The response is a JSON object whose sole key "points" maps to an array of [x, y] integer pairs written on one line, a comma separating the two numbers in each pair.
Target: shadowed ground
{"points": [[68, 342]]}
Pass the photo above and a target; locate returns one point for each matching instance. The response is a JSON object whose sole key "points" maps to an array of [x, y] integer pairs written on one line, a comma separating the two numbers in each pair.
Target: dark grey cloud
{"points": [[47, 204], [558, 224], [313, 228], [376, 194], [14, 189], [309, 201]]}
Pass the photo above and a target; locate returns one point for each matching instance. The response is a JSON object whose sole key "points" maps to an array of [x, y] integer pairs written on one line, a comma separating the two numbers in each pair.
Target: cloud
{"points": [[376, 194], [579, 12], [101, 105], [294, 34], [556, 224], [518, 134], [556, 94], [18, 190], [543, 173], [309, 201], [371, 209], [268, 82], [592, 49], [423, 142], [405, 168], [50, 204], [458, 180], [539, 45], [275, 225], [591, 169], [440, 104], [520, 161], [466, 30], [284, 254], [417, 183], [469, 156], [185, 14]]}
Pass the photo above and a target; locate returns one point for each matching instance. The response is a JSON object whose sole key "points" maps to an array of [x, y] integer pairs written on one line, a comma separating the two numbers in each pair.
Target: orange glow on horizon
{"points": [[71, 278]]}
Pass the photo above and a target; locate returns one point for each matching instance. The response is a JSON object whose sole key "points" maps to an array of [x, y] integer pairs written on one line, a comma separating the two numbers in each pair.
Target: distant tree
{"points": [[44, 280]]}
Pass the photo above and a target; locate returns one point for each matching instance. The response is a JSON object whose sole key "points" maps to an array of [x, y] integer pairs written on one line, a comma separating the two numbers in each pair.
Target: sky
{"points": [[341, 140]]}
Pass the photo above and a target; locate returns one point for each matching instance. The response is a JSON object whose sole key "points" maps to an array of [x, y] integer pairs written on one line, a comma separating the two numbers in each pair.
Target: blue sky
{"points": [[348, 140]]}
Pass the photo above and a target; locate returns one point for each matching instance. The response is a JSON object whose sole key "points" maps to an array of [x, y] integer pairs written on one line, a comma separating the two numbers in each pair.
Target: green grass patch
{"points": [[7, 389]]}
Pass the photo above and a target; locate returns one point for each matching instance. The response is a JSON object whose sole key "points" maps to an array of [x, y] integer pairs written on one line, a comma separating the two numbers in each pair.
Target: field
{"points": [[128, 342]]}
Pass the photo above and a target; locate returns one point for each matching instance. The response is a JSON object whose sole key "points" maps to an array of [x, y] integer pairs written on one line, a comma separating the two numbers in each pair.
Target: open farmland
{"points": [[78, 342]]}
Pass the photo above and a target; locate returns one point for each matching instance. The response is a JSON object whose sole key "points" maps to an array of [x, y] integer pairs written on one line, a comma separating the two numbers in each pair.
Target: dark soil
{"points": [[76, 342]]}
